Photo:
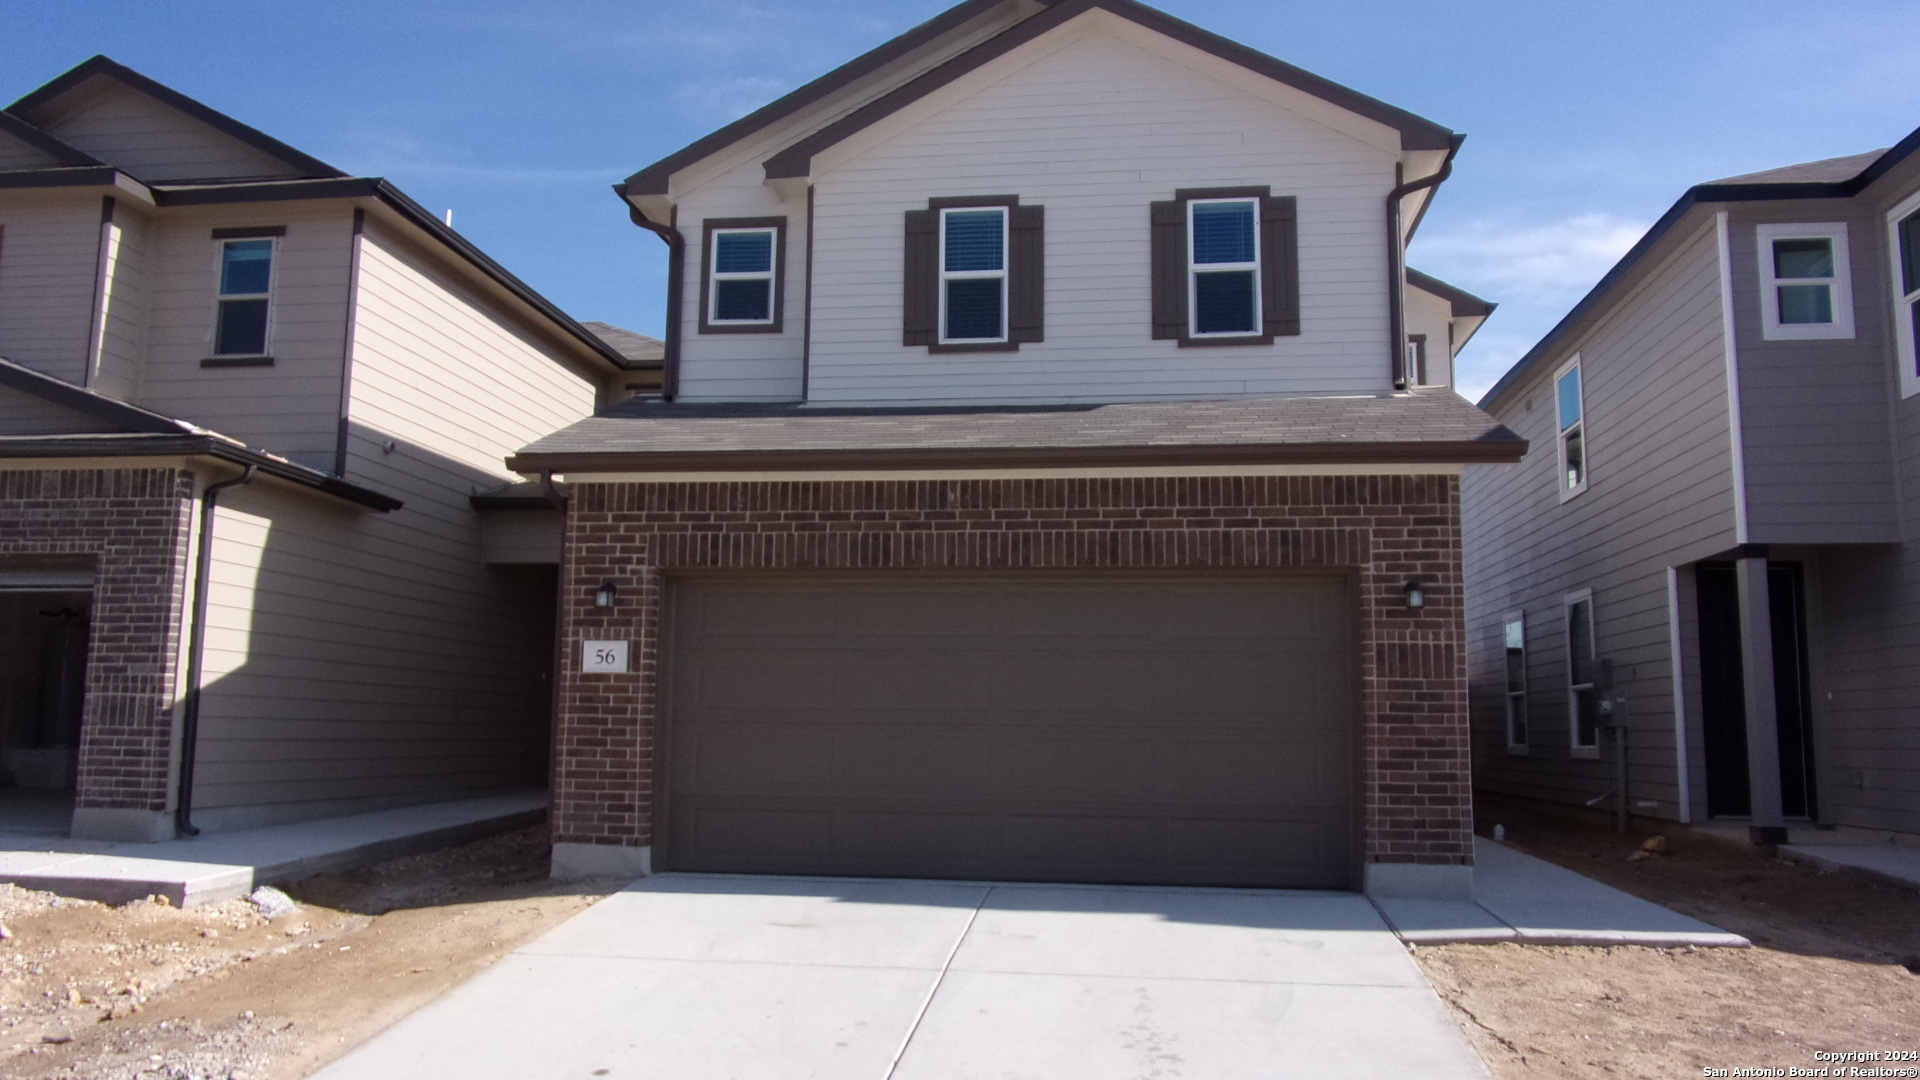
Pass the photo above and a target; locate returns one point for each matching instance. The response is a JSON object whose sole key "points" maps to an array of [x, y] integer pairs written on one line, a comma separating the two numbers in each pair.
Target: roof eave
{"points": [[193, 445]]}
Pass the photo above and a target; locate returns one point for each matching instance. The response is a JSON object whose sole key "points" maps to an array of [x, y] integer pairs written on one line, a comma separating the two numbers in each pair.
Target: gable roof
{"points": [[66, 155], [1463, 303], [102, 67], [1829, 178], [1416, 133]]}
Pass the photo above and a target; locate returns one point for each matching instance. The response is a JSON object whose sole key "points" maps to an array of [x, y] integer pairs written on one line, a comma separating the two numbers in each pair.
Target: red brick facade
{"points": [[132, 527], [1383, 529]]}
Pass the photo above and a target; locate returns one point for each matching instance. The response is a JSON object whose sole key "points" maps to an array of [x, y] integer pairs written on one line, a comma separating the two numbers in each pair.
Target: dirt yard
{"points": [[1835, 965], [148, 992]]}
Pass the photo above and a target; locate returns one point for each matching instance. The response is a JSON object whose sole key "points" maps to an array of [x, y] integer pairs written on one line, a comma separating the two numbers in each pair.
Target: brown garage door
{"points": [[1190, 731]]}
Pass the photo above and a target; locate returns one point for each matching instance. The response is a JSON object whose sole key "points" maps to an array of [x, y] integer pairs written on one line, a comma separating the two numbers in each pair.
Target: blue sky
{"points": [[1585, 120]]}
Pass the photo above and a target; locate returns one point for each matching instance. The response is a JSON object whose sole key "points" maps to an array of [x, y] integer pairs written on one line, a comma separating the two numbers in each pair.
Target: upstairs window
{"points": [[1223, 282], [1570, 406], [1417, 359], [1514, 635], [741, 292], [1225, 266], [246, 286], [973, 276], [1805, 291], [1904, 227], [1583, 673]]}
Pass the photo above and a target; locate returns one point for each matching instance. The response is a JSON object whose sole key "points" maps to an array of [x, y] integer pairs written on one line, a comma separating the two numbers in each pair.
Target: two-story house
{"points": [[1718, 511], [1057, 478], [245, 403]]}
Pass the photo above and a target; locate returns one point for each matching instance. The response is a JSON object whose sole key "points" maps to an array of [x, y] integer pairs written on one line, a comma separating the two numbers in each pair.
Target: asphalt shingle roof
{"points": [[1425, 425]]}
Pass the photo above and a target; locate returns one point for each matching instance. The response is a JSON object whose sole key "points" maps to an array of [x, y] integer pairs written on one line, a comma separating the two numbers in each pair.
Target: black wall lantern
{"points": [[603, 596], [1416, 596]]}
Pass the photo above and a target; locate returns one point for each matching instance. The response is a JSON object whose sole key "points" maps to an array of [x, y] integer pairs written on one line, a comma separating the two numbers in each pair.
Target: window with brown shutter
{"points": [[1226, 266], [974, 275]]}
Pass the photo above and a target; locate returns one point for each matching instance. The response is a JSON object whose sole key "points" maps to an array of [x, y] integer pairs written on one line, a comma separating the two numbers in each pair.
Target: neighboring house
{"points": [[244, 401], [1049, 482], [1721, 500]]}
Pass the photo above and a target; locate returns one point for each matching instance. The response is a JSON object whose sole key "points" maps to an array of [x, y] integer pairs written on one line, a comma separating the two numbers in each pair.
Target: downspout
{"points": [[197, 651], [1397, 262], [676, 269]]}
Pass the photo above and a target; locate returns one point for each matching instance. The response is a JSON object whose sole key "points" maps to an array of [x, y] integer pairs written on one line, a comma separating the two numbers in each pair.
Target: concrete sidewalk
{"points": [[1517, 897], [220, 866]]}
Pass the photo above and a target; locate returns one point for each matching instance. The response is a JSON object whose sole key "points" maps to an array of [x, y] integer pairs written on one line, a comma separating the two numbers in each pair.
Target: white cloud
{"points": [[722, 100], [1536, 271]]}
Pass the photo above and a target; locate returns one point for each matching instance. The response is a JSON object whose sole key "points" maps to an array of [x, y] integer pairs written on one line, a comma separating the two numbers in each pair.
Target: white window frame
{"points": [[1194, 271], [1906, 347], [769, 275], [1514, 697], [219, 272], [1566, 488], [1006, 256], [1567, 603], [1841, 283]]}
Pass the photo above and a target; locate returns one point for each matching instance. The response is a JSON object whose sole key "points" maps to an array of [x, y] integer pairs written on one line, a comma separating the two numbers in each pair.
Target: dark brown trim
{"points": [[984, 346], [236, 361], [69, 156], [227, 125], [1416, 133], [346, 341], [176, 444], [1465, 305], [676, 278], [779, 226], [1172, 321], [1397, 260], [106, 209], [95, 176], [578, 465], [257, 232], [959, 202]]}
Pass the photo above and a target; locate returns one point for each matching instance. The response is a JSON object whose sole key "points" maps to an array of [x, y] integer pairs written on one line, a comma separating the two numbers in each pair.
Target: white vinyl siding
{"points": [[1806, 281], [1097, 129], [49, 261]]}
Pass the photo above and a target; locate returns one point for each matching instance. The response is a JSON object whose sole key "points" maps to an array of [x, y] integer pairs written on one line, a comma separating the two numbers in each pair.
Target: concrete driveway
{"points": [[690, 977]]}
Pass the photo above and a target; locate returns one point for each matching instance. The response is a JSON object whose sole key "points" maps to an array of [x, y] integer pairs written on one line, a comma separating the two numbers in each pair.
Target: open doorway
{"points": [[1723, 690], [43, 687]]}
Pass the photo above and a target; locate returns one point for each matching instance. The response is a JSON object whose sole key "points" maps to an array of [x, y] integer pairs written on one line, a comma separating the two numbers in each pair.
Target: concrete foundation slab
{"points": [[1901, 862]]}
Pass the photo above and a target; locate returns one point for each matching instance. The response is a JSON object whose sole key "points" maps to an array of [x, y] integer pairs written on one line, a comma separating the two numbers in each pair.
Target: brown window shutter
{"points": [[1027, 274], [1280, 265], [920, 313], [1170, 269]]}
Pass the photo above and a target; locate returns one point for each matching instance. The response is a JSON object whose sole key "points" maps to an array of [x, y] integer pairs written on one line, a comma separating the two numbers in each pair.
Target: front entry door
{"points": [[1723, 692]]}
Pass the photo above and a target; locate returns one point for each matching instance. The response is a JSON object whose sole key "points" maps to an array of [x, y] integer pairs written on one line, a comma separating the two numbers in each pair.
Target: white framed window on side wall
{"points": [[1513, 633], [241, 315], [1903, 233], [1570, 414], [1583, 675], [1806, 283]]}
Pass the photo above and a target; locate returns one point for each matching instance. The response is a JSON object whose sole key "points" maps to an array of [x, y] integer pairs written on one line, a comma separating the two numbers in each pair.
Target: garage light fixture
{"points": [[603, 597], [1416, 596]]}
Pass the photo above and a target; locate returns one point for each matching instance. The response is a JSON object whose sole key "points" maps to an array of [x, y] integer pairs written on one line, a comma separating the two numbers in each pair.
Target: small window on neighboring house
{"points": [[973, 275], [1805, 292], [1417, 359], [1571, 407], [1904, 225], [1514, 633], [246, 284], [741, 290], [1583, 696], [1225, 266]]}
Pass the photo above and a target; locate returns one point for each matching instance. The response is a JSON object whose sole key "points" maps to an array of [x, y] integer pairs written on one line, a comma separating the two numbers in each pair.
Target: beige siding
{"points": [[24, 414], [125, 286], [15, 154], [150, 140], [1094, 122], [364, 656], [743, 367], [1660, 493], [1428, 314], [437, 369], [1869, 596], [49, 261], [292, 407]]}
